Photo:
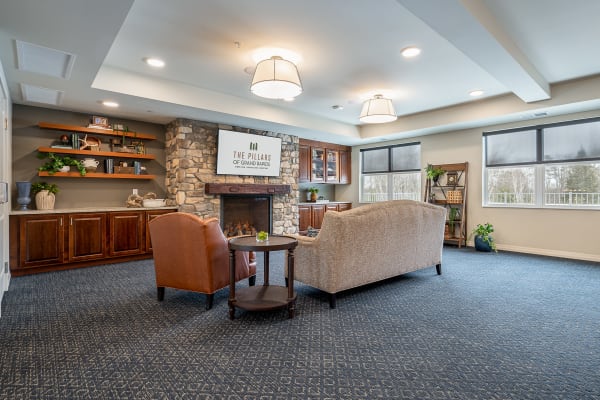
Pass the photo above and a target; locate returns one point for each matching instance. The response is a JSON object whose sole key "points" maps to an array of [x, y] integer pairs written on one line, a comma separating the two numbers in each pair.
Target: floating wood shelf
{"points": [[101, 175], [97, 153], [96, 131]]}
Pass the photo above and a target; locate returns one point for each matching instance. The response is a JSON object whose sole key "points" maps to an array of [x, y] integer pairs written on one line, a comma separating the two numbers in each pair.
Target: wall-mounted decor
{"points": [[247, 154]]}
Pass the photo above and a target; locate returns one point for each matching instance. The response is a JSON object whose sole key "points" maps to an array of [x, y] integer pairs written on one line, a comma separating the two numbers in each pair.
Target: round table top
{"points": [[274, 243]]}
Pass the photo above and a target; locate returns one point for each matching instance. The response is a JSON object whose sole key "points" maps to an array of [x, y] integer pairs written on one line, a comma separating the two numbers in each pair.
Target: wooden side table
{"points": [[265, 297]]}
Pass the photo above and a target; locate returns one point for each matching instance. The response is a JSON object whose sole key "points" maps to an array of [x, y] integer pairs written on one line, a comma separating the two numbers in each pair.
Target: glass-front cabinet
{"points": [[318, 161], [324, 162], [333, 174]]}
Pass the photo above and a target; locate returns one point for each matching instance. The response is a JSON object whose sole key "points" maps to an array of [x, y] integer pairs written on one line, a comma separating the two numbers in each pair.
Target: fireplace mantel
{"points": [[246, 188]]}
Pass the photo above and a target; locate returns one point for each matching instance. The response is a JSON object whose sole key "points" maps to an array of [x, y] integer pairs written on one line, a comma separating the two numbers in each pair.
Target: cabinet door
{"points": [[317, 172], [318, 212], [304, 159], [87, 236], [344, 206], [41, 240], [150, 215], [304, 214], [126, 233], [333, 167], [345, 167]]}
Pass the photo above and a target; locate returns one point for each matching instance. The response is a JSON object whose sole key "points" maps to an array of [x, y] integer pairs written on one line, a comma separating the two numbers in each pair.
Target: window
{"points": [[554, 165], [391, 173]]}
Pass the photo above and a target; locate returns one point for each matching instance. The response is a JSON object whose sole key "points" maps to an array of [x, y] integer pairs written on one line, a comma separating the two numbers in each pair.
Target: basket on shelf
{"points": [[454, 197], [123, 170]]}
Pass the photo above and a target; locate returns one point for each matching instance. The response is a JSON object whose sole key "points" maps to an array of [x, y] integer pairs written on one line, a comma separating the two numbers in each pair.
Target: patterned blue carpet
{"points": [[493, 326]]}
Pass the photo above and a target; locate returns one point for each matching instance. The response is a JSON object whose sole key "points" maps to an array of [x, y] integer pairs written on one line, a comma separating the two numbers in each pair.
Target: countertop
{"points": [[88, 209]]}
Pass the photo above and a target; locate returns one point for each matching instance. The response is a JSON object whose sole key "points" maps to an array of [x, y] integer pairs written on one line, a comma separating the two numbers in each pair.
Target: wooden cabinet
{"points": [[450, 191], [126, 233], [312, 214], [317, 215], [104, 132], [56, 241], [324, 162], [304, 217], [40, 240], [344, 206], [87, 236], [304, 159], [150, 215], [345, 167]]}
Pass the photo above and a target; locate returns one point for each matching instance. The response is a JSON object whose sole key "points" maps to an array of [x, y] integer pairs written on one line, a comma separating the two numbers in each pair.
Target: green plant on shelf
{"points": [[55, 163], [434, 173]]}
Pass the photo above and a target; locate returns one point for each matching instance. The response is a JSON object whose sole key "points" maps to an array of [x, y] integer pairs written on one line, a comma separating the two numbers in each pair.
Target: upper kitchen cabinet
{"points": [[322, 162]]}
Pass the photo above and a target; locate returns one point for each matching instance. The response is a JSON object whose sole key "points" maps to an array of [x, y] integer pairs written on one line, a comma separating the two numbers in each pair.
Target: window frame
{"points": [[539, 166], [389, 172]]}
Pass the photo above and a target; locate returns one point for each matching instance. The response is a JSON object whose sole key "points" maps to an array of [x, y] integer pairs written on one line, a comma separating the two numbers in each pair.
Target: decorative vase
{"points": [[23, 199], [44, 200], [482, 245], [313, 197]]}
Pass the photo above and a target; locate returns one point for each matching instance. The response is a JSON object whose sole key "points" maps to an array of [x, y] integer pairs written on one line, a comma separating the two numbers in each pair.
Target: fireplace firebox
{"points": [[246, 214]]}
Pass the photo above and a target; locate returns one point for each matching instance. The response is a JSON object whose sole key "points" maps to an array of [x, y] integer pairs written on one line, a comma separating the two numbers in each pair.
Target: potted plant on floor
{"points": [[483, 238], [44, 195]]}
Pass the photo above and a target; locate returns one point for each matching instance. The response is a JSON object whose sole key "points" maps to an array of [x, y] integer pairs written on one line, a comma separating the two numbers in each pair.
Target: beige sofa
{"points": [[371, 243]]}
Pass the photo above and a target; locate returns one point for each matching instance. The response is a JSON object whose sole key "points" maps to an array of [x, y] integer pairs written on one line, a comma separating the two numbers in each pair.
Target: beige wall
{"points": [[562, 233], [77, 192]]}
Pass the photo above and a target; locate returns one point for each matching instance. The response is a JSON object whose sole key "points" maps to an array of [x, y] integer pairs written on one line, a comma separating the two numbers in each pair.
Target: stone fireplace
{"points": [[192, 182]]}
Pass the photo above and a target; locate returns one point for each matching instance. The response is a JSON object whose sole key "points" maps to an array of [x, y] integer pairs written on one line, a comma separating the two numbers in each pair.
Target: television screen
{"points": [[246, 154]]}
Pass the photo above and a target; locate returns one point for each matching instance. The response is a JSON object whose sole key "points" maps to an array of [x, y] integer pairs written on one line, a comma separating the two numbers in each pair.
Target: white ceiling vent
{"points": [[43, 60], [36, 94]]}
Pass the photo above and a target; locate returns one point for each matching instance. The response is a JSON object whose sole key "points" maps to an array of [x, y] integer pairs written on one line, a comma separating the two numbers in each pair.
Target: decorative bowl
{"points": [[153, 202]]}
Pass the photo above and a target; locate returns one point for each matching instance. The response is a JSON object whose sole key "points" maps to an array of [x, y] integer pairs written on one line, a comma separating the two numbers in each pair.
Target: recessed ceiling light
{"points": [[337, 107], [409, 52], [109, 103], [155, 62], [476, 93]]}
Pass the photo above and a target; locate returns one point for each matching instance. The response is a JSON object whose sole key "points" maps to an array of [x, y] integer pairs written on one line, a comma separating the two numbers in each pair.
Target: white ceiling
{"points": [[524, 54]]}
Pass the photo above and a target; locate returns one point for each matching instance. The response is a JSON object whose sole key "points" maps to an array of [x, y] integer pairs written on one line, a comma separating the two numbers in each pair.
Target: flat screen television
{"points": [[247, 154]]}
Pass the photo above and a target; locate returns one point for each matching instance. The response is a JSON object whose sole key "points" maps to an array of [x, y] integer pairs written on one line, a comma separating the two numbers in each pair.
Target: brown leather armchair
{"points": [[192, 254]]}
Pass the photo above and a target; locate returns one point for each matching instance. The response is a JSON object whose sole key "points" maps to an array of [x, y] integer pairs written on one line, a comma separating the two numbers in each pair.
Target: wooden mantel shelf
{"points": [[246, 188]]}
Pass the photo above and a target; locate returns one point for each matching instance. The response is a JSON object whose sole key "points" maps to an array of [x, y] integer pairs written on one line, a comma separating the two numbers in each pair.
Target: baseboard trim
{"points": [[551, 253]]}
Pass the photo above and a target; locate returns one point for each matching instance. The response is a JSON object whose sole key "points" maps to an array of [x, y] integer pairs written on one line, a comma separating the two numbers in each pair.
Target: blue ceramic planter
{"points": [[481, 245]]}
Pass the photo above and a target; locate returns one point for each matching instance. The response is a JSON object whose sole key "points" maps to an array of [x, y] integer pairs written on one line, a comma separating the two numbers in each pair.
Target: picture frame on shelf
{"points": [[451, 178], [100, 121]]}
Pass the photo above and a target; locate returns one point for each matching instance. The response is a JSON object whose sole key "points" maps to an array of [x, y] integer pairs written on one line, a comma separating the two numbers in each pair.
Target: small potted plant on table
{"points": [[483, 238]]}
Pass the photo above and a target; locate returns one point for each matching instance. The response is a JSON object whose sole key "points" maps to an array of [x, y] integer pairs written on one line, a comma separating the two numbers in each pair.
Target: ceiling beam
{"points": [[471, 28]]}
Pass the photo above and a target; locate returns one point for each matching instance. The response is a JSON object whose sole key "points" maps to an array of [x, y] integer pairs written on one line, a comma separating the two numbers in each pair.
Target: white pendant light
{"points": [[378, 110], [276, 78]]}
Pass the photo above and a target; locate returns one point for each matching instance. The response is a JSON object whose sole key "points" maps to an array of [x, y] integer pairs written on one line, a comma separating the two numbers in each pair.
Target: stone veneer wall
{"points": [[191, 152]]}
